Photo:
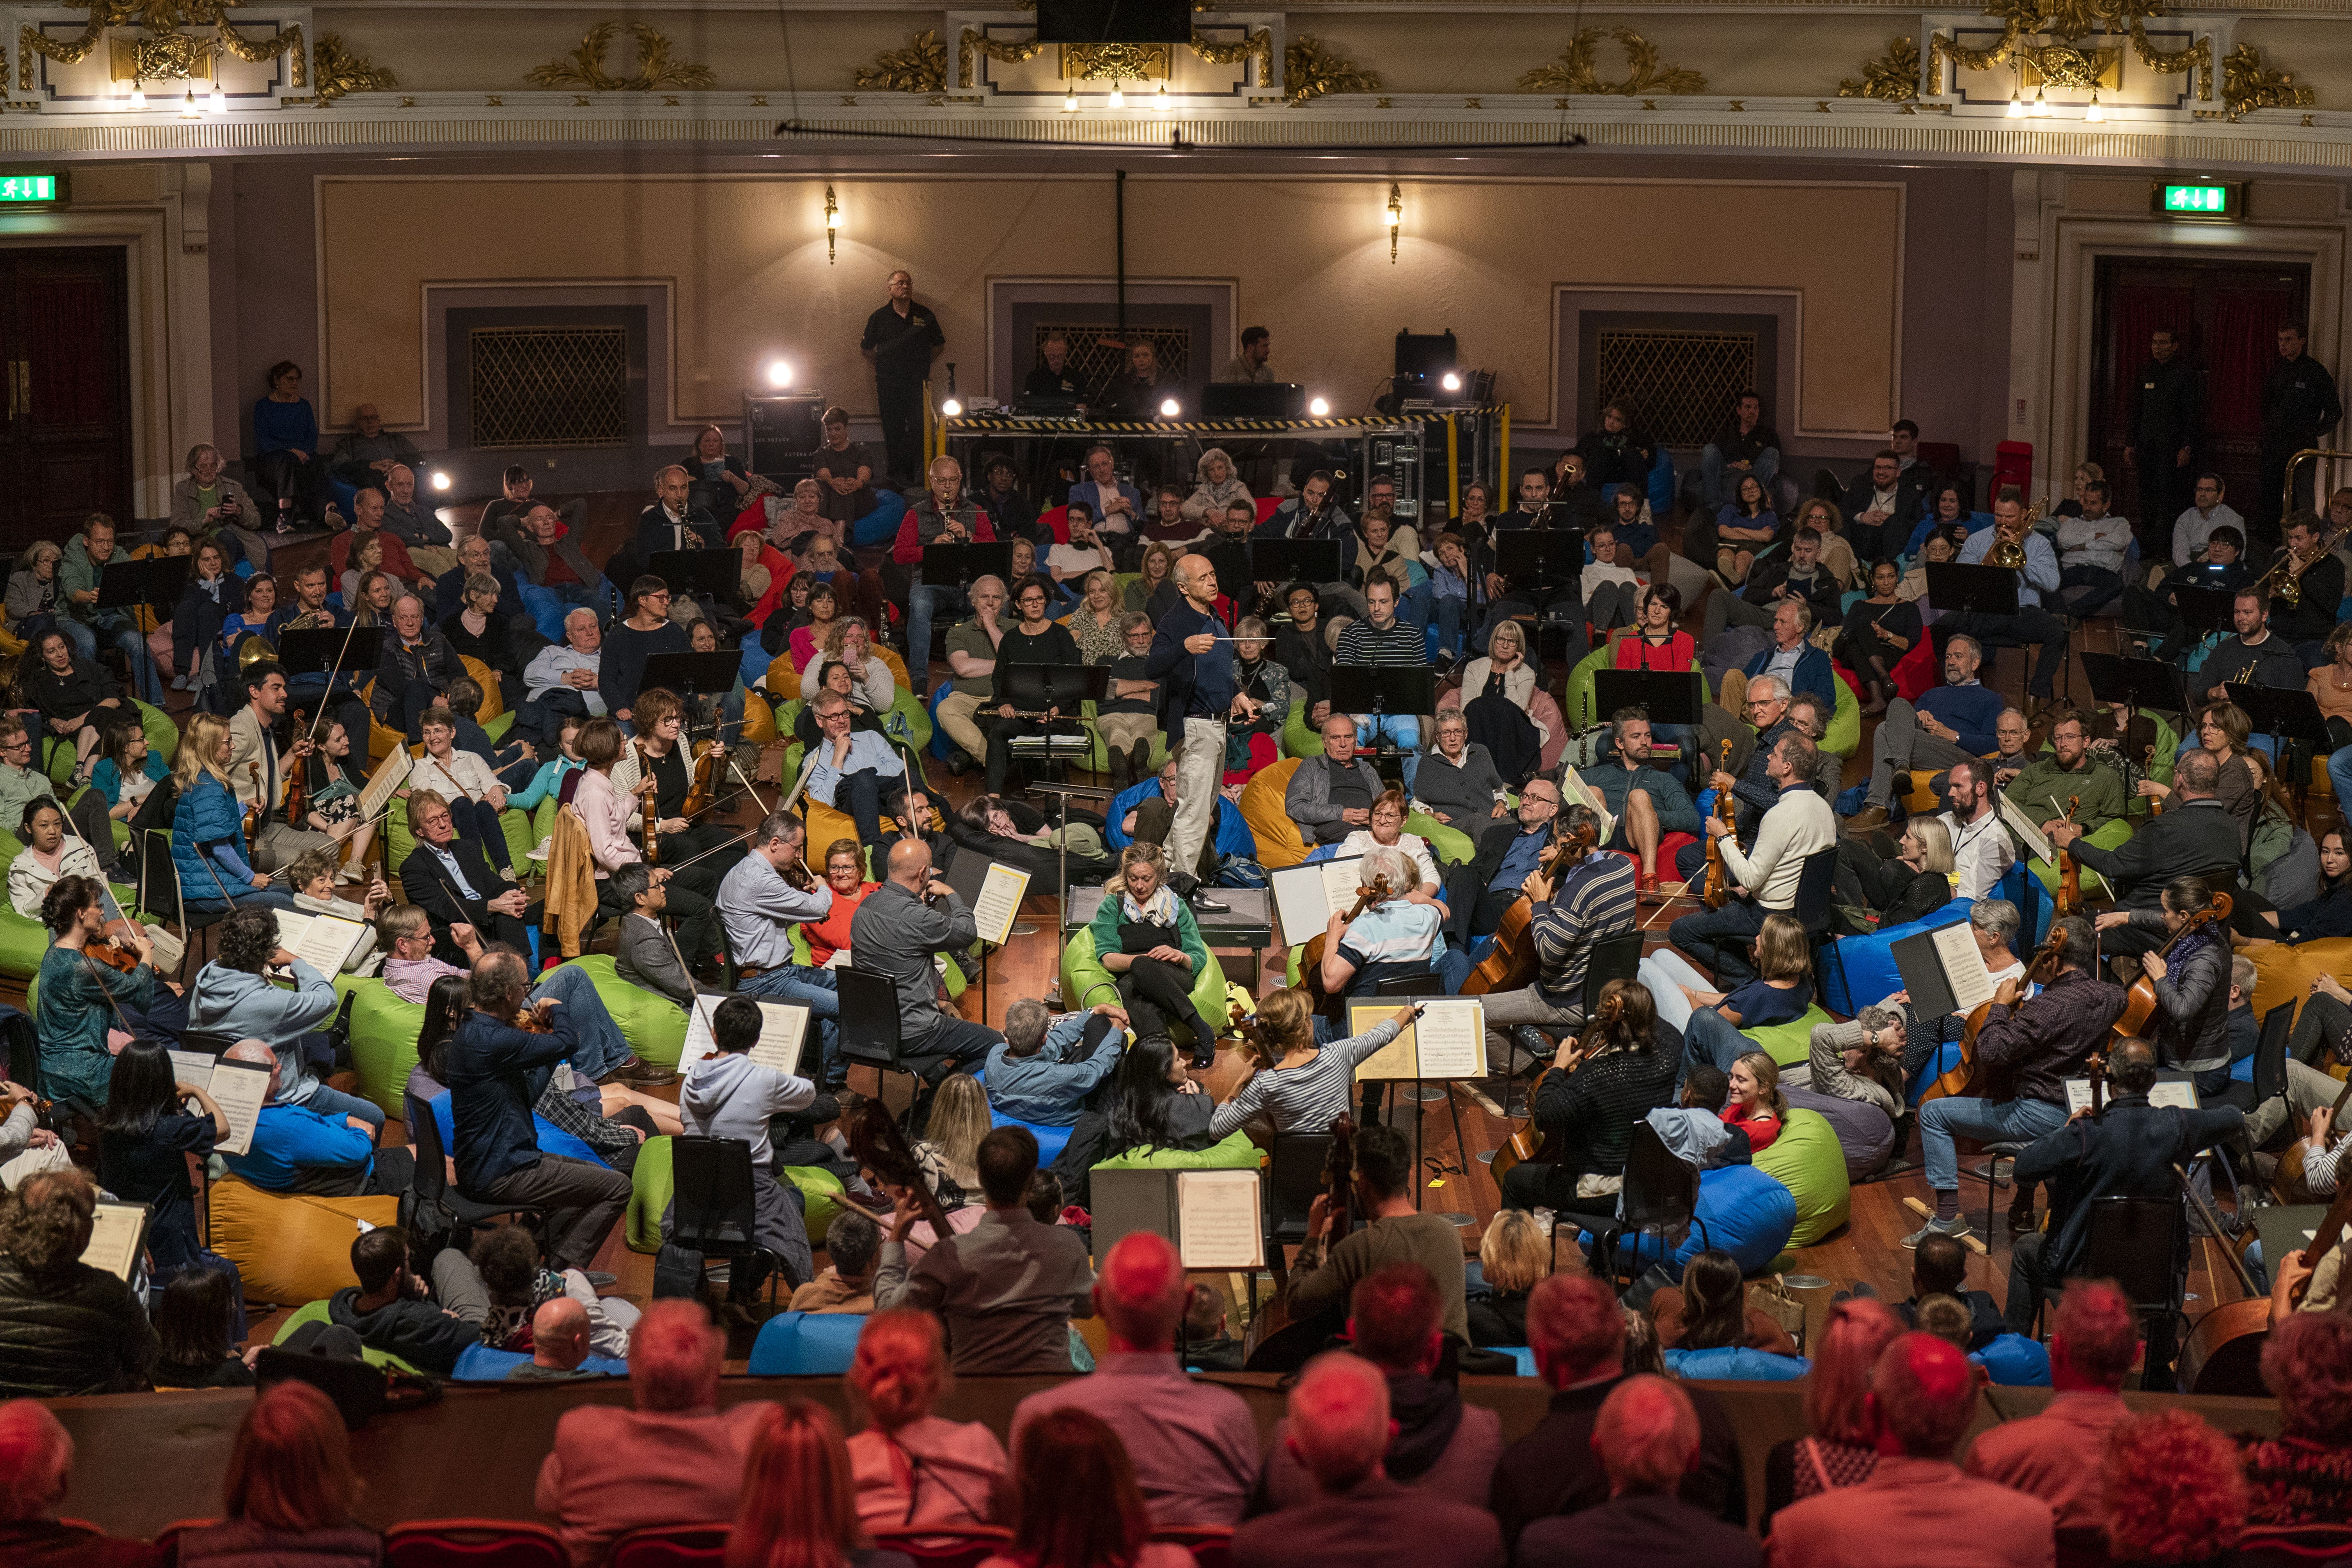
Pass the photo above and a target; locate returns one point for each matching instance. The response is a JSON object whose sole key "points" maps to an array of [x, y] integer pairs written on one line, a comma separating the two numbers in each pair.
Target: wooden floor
{"points": [[1868, 1250]]}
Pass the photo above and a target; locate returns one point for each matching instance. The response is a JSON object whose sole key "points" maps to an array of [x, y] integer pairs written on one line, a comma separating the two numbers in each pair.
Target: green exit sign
{"points": [[32, 190], [2200, 199]]}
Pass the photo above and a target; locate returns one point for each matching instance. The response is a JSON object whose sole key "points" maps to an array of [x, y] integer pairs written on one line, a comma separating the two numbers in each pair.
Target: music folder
{"points": [[1447, 1041], [2178, 1090], [718, 571], [117, 1236], [786, 1043], [330, 650], [1215, 1218], [1943, 971], [991, 890], [1307, 896]]}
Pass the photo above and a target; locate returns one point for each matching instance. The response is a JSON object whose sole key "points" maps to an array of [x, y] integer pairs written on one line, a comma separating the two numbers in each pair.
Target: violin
{"points": [[533, 1019], [2070, 871], [1511, 963], [1532, 1142], [647, 788], [253, 812], [1718, 890], [2139, 1001], [297, 804], [877, 1143], [118, 943], [1311, 962], [705, 785]]}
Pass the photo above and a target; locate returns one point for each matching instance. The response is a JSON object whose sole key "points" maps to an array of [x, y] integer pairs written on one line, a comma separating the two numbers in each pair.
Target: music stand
{"points": [[1956, 588], [2205, 611], [1530, 558], [964, 564], [716, 573], [1425, 988], [692, 673], [323, 650], [2282, 715], [1283, 561], [1671, 697], [869, 1021], [1034, 688], [1384, 692], [1230, 560], [155, 581]]}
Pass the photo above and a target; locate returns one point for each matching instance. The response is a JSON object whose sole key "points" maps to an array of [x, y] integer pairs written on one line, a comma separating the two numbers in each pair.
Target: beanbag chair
{"points": [[1299, 738], [1858, 970], [546, 611], [1737, 1363], [1086, 983], [384, 1040], [550, 1139], [1864, 1134], [480, 1363], [2013, 1360], [1792, 1042], [806, 1344], [23, 942], [2283, 974], [291, 1248], [2110, 835], [1808, 1160], [1742, 1210], [1279, 843], [1844, 732], [653, 1025], [517, 826], [818, 1189], [315, 1312], [1097, 761], [1051, 1140], [651, 1185], [1235, 1153]]}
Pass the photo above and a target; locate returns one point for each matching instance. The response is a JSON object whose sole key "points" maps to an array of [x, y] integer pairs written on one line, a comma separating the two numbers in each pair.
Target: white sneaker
{"points": [[541, 853]]}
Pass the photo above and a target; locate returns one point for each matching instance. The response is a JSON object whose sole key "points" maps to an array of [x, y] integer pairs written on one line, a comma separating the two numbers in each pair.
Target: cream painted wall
{"points": [[745, 258]]}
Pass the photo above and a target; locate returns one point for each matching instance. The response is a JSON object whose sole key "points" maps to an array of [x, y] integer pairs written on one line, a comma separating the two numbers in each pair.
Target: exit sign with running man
{"points": [[22, 190], [2212, 200]]}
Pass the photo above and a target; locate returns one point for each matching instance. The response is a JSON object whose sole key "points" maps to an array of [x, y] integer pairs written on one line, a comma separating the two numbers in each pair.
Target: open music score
{"points": [[1574, 791], [1447, 1041], [2028, 832], [325, 942], [239, 1089], [118, 1236], [1943, 971], [998, 903], [2178, 1090], [1215, 1218], [390, 776], [194, 1068], [783, 1034], [1306, 897]]}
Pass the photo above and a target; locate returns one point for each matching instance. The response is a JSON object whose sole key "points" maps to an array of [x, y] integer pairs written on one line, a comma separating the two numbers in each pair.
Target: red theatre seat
{"points": [[1212, 1545], [945, 1546], [473, 1544], [671, 1546]]}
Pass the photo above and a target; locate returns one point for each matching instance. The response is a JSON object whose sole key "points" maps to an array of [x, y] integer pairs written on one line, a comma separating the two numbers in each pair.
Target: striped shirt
{"points": [[1593, 901], [1364, 643], [1305, 1099]]}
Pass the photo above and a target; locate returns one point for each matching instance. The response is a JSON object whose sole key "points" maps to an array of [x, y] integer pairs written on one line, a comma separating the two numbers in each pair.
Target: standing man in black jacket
{"points": [[2168, 411], [901, 339], [2299, 408], [2128, 1151]]}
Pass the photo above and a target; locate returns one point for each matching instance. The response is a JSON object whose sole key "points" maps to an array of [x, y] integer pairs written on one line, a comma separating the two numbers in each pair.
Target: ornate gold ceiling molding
{"points": [[1257, 46], [585, 66], [1113, 62], [1573, 73], [2068, 21], [1308, 73], [2246, 85], [1004, 51], [159, 19], [920, 66], [1894, 79], [335, 70], [1119, 62]]}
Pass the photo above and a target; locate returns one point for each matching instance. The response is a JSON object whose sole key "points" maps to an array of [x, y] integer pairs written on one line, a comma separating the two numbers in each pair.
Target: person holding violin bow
{"points": [[82, 997], [2194, 837], [662, 755], [2015, 1071], [259, 771], [1578, 896], [1764, 877], [1765, 709], [687, 891], [2187, 1009]]}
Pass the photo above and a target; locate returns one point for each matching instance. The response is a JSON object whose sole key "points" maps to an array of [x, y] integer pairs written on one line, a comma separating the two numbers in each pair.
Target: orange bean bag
{"points": [[1279, 843], [291, 1248], [2283, 974]]}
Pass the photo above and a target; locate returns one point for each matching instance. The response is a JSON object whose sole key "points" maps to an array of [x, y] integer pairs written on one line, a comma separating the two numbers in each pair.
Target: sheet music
{"points": [[1574, 791], [2177, 1093], [1217, 1220], [783, 1027], [388, 778], [999, 902], [239, 1089], [1341, 881], [1447, 1041], [118, 1234], [322, 941], [192, 1068], [700, 1041], [2037, 843], [1302, 898], [1964, 966]]}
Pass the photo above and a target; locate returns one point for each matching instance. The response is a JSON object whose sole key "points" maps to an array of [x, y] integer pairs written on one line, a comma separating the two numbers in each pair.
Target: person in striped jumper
{"points": [[1295, 1084], [1382, 641], [1591, 901]]}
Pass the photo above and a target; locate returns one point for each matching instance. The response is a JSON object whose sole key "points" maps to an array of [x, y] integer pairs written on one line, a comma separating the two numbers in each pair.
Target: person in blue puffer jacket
{"points": [[208, 846]]}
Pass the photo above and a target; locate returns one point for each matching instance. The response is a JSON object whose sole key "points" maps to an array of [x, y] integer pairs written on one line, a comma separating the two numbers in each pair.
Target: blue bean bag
{"points": [[1736, 1364], [1050, 1140], [2015, 1362], [546, 611], [552, 1140], [942, 744], [1741, 1211], [1860, 970], [480, 1363], [806, 1344], [880, 526]]}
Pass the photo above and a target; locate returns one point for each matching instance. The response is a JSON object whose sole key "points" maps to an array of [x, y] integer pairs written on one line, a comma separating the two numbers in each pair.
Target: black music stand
{"points": [[1284, 561], [1384, 692], [1530, 558], [1670, 697], [966, 564], [1965, 588], [692, 673], [324, 650], [2282, 715], [716, 573], [2133, 684], [155, 583], [1425, 988], [1230, 560], [2205, 611], [1033, 688]]}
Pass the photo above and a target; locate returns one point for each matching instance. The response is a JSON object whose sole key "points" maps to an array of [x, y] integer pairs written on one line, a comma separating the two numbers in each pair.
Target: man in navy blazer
{"points": [[451, 880]]}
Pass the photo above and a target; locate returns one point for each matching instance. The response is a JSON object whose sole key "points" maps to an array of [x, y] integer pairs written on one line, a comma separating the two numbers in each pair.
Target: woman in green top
{"points": [[80, 997], [1146, 936], [212, 506]]}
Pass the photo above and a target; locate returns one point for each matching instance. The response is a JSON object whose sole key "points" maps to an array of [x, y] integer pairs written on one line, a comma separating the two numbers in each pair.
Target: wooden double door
{"points": [[64, 392]]}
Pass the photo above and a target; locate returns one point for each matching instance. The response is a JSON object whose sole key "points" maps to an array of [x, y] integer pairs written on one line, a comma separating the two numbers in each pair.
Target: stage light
{"points": [[779, 373], [952, 408], [1168, 408], [1117, 98], [440, 480], [1451, 381], [1320, 408]]}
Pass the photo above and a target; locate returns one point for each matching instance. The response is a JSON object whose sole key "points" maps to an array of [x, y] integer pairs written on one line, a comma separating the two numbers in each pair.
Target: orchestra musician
{"points": [[1034, 640], [608, 814], [768, 892], [2318, 575], [1394, 938], [251, 736], [1764, 877], [660, 750], [897, 927], [311, 612], [2037, 1044], [1586, 1106], [1592, 901], [2190, 1029], [2012, 542], [2195, 837], [1765, 708]]}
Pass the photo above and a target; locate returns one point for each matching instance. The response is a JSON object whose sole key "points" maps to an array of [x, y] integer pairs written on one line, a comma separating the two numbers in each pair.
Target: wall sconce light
{"points": [[1396, 220], [832, 224], [1070, 100], [188, 107], [218, 101], [1119, 95], [2095, 113]]}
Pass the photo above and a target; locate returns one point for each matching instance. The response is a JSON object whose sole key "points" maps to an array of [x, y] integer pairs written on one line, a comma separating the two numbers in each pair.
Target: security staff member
{"points": [[901, 339], [2166, 418], [2299, 408]]}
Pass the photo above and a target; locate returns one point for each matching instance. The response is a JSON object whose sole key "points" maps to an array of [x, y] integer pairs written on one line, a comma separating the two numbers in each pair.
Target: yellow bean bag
{"points": [[1279, 843], [493, 700], [785, 680], [291, 1248], [2283, 974]]}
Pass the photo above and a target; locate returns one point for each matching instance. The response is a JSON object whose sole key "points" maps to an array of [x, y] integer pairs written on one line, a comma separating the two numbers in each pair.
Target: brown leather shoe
{"points": [[1865, 822], [637, 1073]]}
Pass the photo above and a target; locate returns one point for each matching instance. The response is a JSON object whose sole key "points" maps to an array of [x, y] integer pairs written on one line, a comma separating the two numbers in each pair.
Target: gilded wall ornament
{"points": [[1307, 72], [1008, 52], [920, 66], [2069, 21], [1894, 79], [159, 18], [335, 70], [585, 66], [1574, 72], [2246, 85], [173, 56], [1113, 62], [1258, 46]]}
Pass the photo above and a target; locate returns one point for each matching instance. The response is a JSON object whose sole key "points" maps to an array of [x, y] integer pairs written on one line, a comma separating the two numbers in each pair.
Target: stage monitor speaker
{"points": [[781, 433], [1114, 21], [1428, 354]]}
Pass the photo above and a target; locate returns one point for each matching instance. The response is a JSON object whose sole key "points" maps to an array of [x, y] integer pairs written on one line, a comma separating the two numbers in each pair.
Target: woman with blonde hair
{"points": [[1155, 570], [290, 1490], [1146, 936], [1914, 885], [1093, 621], [208, 846], [1513, 1257], [1841, 1452], [1710, 1021], [950, 1143], [1756, 1105], [1076, 1503], [849, 643], [910, 1467]]}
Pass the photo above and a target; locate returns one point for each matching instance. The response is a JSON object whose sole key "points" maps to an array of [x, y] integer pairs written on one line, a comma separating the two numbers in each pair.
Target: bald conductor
{"points": [[1197, 696]]}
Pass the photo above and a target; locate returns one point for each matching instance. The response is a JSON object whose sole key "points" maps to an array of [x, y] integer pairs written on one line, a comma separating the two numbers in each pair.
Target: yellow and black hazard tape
{"points": [[1002, 422]]}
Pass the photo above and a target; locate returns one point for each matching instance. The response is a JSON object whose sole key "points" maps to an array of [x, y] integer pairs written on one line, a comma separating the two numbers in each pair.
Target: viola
{"points": [[877, 1143], [705, 785], [2070, 870], [1718, 890], [2139, 1001], [1311, 962], [647, 788]]}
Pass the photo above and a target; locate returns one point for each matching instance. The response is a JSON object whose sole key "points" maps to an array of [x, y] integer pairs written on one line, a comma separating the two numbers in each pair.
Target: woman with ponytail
{"points": [[910, 1465]]}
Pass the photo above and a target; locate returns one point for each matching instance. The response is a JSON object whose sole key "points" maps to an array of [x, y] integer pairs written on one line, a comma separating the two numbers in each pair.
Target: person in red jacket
{"points": [[941, 517]]}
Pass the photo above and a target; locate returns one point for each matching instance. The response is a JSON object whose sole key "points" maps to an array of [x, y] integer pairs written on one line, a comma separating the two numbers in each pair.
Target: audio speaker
{"points": [[781, 434], [1114, 21]]}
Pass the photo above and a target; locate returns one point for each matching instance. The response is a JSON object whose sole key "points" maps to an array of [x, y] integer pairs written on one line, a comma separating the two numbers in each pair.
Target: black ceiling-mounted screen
{"points": [[1114, 21]]}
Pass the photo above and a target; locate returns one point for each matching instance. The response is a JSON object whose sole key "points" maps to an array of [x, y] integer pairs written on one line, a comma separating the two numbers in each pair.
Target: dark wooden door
{"points": [[2226, 316], [64, 392]]}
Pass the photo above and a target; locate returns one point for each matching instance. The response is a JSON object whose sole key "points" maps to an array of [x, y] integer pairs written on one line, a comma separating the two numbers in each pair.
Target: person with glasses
{"points": [[1508, 852], [1765, 707], [645, 631]]}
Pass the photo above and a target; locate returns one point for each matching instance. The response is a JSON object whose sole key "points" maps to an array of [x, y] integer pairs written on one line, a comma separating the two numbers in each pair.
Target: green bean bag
{"points": [[1235, 1153], [1097, 761], [1299, 740], [653, 1025], [1805, 1159], [1449, 845], [23, 943], [653, 1182], [2110, 835], [383, 1040], [1846, 724], [818, 1188], [495, 729], [1791, 1043], [163, 734], [910, 720], [522, 836], [315, 1312], [1082, 974]]}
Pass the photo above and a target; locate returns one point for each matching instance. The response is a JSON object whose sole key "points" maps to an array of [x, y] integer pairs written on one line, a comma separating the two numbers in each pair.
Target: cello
{"points": [[1965, 1078], [1510, 963], [2139, 1002], [1530, 1142], [1311, 962], [1717, 891]]}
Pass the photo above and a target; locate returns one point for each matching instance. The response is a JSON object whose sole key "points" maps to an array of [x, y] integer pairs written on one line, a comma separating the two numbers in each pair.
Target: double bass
{"points": [[1530, 1142], [1967, 1079], [1511, 962]]}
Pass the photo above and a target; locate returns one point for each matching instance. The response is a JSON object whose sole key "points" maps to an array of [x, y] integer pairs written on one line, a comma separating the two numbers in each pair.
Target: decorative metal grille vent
{"points": [[1093, 362], [1679, 383], [549, 386]]}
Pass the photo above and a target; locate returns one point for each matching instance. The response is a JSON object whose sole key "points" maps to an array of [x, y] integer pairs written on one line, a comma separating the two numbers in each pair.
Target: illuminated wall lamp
{"points": [[1396, 220], [832, 224]]}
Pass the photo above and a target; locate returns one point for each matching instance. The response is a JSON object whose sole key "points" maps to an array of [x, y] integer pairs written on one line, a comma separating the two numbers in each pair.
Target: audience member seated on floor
{"points": [[235, 996], [1441, 1447], [302, 1148], [1036, 1078], [145, 1135], [37, 1456], [2094, 1339], [290, 1495], [496, 1073], [729, 1095], [1339, 1439], [560, 1344], [1712, 1022], [1841, 1452], [1008, 1287], [1146, 936], [1647, 1436], [1194, 1445], [1942, 1270], [1389, 1229], [1911, 887], [1709, 1311], [48, 855], [1578, 1332], [1073, 1501], [2174, 1491], [1753, 1101], [1916, 1507], [2303, 1476], [800, 1505], [675, 1456], [853, 1247], [1860, 1059], [73, 1329], [1513, 1257], [199, 1322], [908, 1466], [517, 1282], [425, 1323]]}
